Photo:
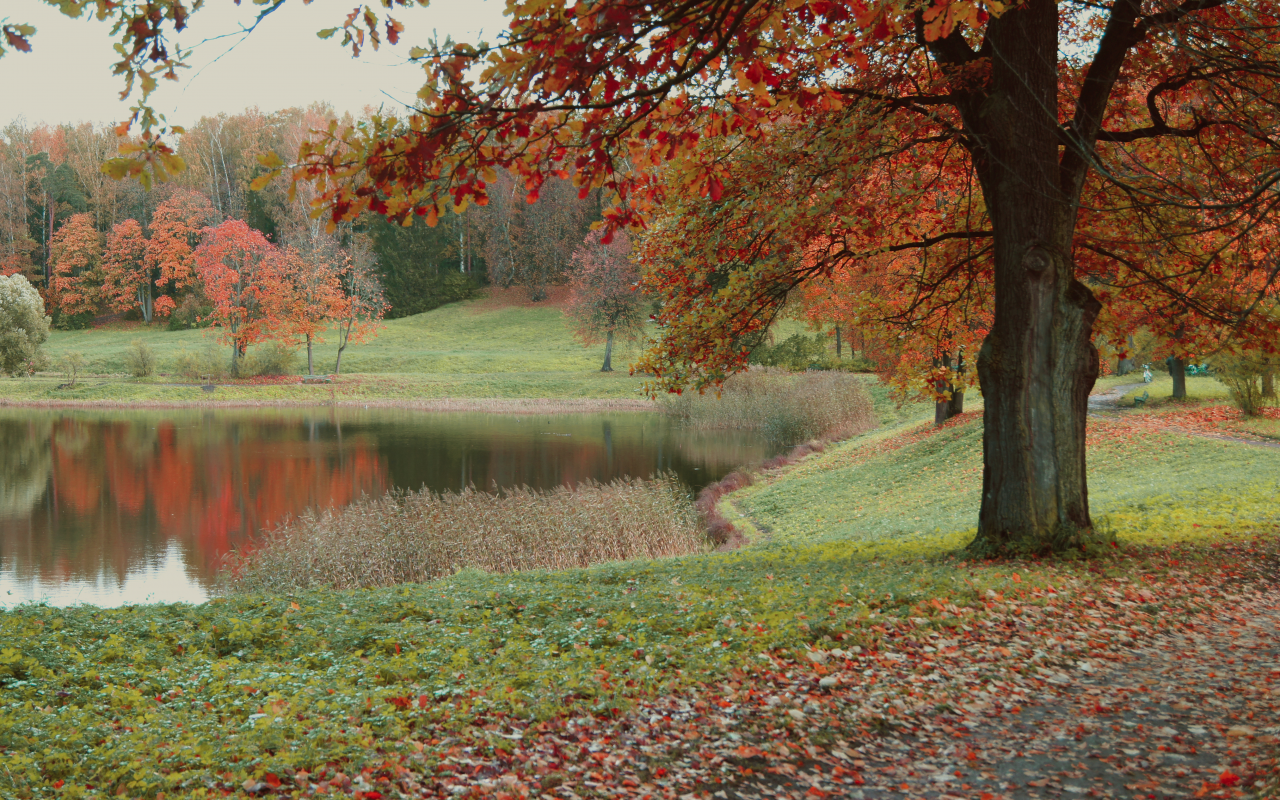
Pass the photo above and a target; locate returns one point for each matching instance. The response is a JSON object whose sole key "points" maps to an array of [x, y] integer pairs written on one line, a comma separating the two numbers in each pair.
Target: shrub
{"points": [[270, 358], [24, 328], [796, 352], [210, 362], [417, 536], [71, 363], [1244, 377], [140, 359], [787, 408], [72, 322]]}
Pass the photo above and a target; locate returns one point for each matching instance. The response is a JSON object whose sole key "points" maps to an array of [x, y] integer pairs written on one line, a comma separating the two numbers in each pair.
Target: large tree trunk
{"points": [[1125, 365], [1269, 383], [608, 354], [837, 343], [1038, 363], [310, 368]]}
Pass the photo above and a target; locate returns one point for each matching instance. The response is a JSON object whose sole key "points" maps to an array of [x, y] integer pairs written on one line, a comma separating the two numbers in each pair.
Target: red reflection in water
{"points": [[106, 496]]}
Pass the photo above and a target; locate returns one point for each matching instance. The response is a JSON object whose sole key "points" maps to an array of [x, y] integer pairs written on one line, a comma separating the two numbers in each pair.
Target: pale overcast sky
{"points": [[67, 76]]}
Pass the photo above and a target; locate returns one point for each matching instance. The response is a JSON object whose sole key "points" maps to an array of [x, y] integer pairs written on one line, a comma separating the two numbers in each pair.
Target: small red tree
{"points": [[126, 280], [231, 263], [603, 298], [360, 310], [76, 254]]}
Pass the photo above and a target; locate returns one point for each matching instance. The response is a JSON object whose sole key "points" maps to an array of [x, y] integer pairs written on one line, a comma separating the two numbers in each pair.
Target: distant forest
{"points": [[50, 174]]}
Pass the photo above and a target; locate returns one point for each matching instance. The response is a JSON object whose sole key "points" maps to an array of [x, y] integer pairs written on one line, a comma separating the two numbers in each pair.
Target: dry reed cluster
{"points": [[417, 536], [788, 407]]}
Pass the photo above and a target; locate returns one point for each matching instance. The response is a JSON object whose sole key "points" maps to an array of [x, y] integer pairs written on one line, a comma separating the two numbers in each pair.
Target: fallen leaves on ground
{"points": [[1150, 674]]}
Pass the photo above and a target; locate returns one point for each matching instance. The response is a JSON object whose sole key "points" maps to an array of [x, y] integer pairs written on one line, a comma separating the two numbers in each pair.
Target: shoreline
{"points": [[495, 405]]}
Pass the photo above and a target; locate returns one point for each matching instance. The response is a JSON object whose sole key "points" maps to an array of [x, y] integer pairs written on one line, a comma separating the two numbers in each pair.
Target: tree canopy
{"points": [[1057, 168], [23, 325]]}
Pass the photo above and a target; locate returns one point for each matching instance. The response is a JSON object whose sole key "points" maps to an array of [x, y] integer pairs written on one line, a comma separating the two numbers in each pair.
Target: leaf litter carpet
{"points": [[1156, 675], [1188, 712]]}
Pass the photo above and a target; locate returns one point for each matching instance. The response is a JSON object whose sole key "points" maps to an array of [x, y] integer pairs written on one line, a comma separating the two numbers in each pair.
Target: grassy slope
{"points": [[927, 493], [1160, 390], [462, 350]]}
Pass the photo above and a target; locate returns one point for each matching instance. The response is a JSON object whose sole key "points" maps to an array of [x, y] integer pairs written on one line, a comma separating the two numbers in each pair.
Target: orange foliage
{"points": [[76, 254]]}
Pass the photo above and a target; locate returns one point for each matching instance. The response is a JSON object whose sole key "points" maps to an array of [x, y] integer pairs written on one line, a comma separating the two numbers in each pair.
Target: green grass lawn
{"points": [[462, 350], [201, 701], [468, 337], [372, 686], [1160, 390], [925, 495]]}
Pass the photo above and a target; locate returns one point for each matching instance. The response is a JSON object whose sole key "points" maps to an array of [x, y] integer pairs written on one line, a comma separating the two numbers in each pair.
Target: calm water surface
{"points": [[128, 507]]}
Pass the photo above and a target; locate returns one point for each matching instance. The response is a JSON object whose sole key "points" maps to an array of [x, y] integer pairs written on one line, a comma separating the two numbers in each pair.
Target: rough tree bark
{"points": [[1038, 363]]}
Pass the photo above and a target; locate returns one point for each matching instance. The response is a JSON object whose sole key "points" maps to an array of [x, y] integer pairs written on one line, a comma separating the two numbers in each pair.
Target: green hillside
{"points": [[471, 349]]}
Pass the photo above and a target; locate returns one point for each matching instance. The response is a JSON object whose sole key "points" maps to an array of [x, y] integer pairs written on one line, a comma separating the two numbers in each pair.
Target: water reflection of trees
{"points": [[449, 452], [84, 495], [25, 461]]}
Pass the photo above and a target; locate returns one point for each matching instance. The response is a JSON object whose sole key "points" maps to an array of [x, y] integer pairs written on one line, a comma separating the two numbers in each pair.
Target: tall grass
{"points": [[418, 536], [788, 407]]}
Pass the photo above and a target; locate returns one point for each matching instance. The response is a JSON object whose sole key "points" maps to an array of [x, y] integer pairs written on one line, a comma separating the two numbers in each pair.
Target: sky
{"points": [[67, 76]]}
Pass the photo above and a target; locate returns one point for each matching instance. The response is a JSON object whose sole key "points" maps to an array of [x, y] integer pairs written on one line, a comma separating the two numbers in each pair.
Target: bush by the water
{"points": [[796, 352], [418, 536], [210, 362], [140, 359], [789, 408], [270, 358]]}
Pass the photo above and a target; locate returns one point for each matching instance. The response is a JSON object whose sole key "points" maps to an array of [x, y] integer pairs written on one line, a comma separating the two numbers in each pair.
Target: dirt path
{"points": [[1192, 712], [1108, 403], [1108, 400]]}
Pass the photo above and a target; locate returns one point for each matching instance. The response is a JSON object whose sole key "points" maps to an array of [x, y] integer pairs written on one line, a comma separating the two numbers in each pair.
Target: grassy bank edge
{"points": [[531, 405]]}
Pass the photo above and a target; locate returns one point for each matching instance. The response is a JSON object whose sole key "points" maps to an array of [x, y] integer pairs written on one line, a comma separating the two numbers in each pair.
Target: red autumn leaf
{"points": [[16, 40]]}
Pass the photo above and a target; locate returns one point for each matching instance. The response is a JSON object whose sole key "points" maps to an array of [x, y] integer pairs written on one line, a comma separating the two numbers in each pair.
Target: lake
{"points": [[119, 507]]}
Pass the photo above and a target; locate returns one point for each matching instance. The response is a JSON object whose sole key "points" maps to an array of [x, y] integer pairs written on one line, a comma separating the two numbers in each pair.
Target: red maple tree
{"points": [[604, 296], [237, 268]]}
